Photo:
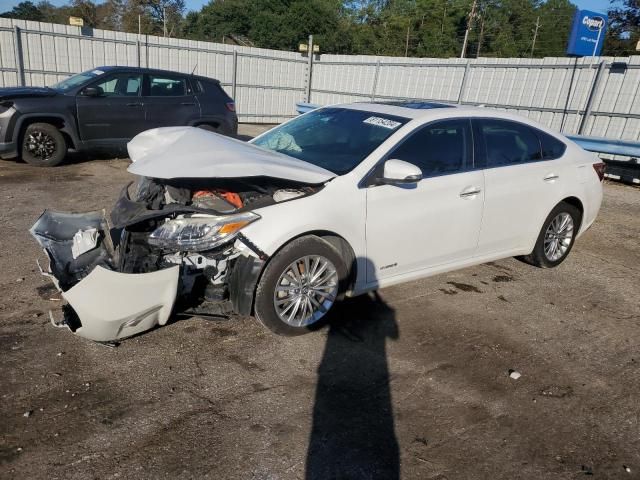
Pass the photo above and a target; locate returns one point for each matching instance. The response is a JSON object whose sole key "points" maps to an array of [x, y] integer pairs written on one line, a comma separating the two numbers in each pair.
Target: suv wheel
{"points": [[43, 145], [556, 237], [299, 286]]}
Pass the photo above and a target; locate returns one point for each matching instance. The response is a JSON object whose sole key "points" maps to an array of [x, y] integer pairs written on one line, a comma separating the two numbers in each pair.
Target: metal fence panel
{"points": [[268, 83]]}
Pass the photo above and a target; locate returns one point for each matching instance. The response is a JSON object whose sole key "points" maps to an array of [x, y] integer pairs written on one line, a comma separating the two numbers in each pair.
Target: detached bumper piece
{"points": [[106, 305], [113, 305]]}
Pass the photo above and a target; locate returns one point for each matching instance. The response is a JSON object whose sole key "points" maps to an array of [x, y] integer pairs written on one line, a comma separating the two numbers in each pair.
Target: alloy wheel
{"points": [[558, 236], [306, 290], [41, 145]]}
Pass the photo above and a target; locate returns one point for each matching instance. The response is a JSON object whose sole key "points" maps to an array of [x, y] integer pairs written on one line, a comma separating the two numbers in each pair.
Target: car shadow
{"points": [[75, 157], [353, 433], [245, 138]]}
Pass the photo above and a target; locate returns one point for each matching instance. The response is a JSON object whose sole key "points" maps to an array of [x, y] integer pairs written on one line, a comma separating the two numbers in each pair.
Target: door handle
{"points": [[551, 177], [187, 103], [470, 192], [134, 104]]}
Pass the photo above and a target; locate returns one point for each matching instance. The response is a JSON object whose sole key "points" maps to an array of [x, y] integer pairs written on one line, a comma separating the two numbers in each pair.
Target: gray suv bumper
{"points": [[8, 150]]}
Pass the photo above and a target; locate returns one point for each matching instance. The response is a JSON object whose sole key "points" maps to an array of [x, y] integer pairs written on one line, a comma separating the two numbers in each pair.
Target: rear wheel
{"points": [[299, 286], [43, 145], [556, 237]]}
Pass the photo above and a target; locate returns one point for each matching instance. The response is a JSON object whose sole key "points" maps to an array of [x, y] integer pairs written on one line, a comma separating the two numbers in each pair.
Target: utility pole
{"points": [[406, 45], [535, 36], [480, 37], [164, 20], [472, 14]]}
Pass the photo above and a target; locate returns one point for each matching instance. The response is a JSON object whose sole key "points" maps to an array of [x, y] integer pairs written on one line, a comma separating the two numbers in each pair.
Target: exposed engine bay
{"points": [[169, 245]]}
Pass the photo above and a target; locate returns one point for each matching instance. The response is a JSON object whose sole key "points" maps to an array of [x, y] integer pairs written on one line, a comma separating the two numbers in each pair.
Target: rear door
{"points": [[522, 180], [169, 100], [115, 116]]}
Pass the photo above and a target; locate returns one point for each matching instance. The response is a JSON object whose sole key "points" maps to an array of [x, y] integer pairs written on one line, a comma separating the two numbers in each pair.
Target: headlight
{"points": [[200, 233]]}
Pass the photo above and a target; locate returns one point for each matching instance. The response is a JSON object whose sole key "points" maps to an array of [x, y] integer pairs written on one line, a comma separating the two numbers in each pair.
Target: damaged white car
{"points": [[339, 201]]}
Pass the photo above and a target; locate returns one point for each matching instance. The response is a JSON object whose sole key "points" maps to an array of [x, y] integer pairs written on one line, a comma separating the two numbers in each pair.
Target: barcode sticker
{"points": [[382, 122]]}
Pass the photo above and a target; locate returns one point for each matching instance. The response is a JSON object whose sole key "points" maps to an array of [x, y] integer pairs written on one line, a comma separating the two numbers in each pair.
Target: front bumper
{"points": [[8, 150], [113, 305]]}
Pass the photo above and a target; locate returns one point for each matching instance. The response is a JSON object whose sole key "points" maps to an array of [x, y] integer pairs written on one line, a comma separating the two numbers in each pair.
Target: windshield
{"points": [[336, 139], [76, 80]]}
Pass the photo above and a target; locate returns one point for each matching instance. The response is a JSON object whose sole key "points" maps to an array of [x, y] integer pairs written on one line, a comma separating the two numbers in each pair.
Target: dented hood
{"points": [[189, 152]]}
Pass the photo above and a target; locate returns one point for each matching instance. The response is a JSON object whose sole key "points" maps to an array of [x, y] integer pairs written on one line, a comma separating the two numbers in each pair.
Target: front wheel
{"points": [[556, 237], [299, 286], [43, 145]]}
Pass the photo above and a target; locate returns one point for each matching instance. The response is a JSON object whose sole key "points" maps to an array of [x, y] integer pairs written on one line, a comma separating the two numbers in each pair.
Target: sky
{"points": [[600, 6]]}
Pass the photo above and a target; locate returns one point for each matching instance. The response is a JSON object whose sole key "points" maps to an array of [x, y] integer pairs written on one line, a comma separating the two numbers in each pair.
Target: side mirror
{"points": [[92, 92], [399, 172]]}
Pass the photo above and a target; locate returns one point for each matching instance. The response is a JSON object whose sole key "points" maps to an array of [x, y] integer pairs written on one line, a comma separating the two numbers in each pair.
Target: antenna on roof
{"points": [[194, 69]]}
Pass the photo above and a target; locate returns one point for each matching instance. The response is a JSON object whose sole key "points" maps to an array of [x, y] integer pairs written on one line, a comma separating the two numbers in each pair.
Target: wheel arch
{"points": [[577, 203], [246, 304], [62, 123], [338, 242]]}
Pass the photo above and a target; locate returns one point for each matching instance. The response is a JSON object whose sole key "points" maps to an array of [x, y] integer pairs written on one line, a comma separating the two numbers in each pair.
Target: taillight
{"points": [[230, 106], [600, 168]]}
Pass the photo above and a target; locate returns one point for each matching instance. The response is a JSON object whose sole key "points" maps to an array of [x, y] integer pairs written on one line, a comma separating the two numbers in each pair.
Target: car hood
{"points": [[189, 152], [25, 92]]}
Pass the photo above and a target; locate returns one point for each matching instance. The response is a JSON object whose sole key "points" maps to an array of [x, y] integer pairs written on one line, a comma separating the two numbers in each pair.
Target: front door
{"points": [[117, 115], [436, 221]]}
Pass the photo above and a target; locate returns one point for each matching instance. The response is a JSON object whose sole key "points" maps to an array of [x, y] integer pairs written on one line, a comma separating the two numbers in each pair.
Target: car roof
{"points": [[113, 68], [420, 109]]}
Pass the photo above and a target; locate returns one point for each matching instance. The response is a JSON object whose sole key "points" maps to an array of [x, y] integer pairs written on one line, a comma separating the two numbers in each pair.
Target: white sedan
{"points": [[337, 202]]}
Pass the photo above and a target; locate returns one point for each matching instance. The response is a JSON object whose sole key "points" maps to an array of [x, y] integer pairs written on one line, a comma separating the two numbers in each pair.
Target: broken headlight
{"points": [[200, 233]]}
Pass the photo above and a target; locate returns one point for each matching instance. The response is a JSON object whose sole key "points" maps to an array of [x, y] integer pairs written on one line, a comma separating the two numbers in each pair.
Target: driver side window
{"points": [[121, 85], [439, 148]]}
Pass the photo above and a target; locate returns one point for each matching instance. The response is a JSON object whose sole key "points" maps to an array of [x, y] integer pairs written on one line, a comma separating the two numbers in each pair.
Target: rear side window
{"points": [[168, 86], [214, 88], [552, 148], [439, 148], [509, 143]]}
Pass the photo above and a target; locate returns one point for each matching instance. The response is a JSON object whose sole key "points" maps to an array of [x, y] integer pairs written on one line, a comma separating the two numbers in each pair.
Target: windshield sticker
{"points": [[382, 122], [97, 72]]}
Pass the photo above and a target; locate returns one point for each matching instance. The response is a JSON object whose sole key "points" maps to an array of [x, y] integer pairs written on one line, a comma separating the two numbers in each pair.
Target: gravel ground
{"points": [[413, 383]]}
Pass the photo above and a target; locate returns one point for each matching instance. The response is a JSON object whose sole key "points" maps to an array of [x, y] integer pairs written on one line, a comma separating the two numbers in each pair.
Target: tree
{"points": [[25, 11], [110, 15], [157, 17], [556, 18], [624, 28]]}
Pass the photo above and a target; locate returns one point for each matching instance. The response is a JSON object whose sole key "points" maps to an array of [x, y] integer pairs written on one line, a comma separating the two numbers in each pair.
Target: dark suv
{"points": [[106, 107]]}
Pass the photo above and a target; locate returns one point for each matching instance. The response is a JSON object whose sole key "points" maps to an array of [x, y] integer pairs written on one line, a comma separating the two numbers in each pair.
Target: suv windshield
{"points": [[76, 80], [336, 139]]}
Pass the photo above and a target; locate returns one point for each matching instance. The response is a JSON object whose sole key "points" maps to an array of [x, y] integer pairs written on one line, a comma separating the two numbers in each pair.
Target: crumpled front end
{"points": [[176, 246], [102, 304]]}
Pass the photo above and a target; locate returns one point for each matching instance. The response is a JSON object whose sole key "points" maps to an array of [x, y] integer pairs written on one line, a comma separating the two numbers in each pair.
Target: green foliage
{"points": [[25, 11], [624, 28], [423, 28]]}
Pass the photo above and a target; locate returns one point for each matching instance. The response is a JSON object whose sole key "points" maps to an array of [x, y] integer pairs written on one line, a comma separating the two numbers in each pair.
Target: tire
{"points": [[550, 257], [43, 145], [270, 306]]}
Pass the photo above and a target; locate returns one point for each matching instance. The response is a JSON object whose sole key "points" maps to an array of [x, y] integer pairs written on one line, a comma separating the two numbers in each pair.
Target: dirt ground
{"points": [[413, 384]]}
